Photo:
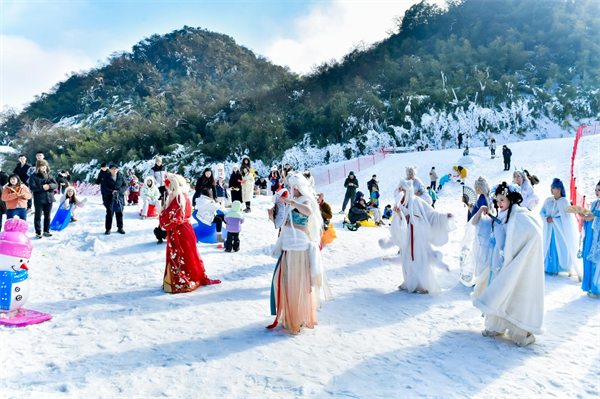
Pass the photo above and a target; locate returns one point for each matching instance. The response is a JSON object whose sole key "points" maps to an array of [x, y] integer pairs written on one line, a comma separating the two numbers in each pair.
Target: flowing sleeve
{"points": [[439, 225], [172, 216]]}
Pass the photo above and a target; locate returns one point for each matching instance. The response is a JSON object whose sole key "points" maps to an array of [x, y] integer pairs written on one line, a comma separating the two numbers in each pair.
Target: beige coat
{"points": [[247, 187]]}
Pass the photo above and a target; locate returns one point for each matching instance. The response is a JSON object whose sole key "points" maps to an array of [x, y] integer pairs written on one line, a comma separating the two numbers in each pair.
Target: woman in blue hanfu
{"points": [[299, 275], [512, 295], [591, 248], [561, 239]]}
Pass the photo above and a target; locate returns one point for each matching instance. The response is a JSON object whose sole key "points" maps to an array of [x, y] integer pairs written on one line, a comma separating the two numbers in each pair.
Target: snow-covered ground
{"points": [[116, 334]]}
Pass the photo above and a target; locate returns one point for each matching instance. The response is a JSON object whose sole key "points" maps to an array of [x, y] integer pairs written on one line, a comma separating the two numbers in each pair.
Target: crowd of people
{"points": [[506, 249]]}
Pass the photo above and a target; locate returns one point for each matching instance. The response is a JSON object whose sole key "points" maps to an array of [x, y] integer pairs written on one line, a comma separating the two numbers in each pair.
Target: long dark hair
{"points": [[204, 179], [246, 162], [73, 199], [16, 176], [513, 197], [207, 192]]}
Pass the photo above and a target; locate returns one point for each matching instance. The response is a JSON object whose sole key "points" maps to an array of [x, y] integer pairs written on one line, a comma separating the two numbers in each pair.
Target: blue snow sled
{"points": [[207, 234], [62, 218]]}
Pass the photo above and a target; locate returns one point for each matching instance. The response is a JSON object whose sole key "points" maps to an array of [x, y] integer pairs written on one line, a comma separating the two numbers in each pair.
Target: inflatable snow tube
{"points": [[328, 235], [152, 211], [207, 234], [367, 223]]}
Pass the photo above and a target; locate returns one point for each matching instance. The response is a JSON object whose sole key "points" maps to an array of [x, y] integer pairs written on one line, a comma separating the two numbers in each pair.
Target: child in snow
{"points": [[221, 186], [591, 248], [234, 219], [134, 191], [150, 195], [561, 237], [387, 212], [462, 173], [433, 196], [445, 179], [373, 206], [15, 195], [70, 197]]}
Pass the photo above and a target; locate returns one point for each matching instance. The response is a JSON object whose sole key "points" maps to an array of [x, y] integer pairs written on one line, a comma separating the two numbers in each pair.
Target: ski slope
{"points": [[116, 334]]}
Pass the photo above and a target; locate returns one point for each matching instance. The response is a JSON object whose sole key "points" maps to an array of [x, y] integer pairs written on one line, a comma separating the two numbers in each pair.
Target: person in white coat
{"points": [[206, 211], [150, 194], [512, 295], [420, 190], [530, 199], [561, 237], [416, 228], [247, 187]]}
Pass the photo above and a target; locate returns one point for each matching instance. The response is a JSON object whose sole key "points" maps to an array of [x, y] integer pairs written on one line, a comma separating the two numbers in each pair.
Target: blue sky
{"points": [[43, 41]]}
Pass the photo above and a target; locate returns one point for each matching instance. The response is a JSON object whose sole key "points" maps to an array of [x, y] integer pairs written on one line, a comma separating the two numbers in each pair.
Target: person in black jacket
{"points": [[102, 174], [460, 139], [63, 181], [358, 212], [351, 185], [113, 188], [235, 184], [21, 169], [3, 178], [42, 185], [207, 180], [274, 178], [507, 154], [373, 183]]}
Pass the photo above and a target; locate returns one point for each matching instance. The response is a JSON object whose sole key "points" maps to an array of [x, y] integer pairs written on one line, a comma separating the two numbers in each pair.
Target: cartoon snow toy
{"points": [[61, 218], [15, 251]]}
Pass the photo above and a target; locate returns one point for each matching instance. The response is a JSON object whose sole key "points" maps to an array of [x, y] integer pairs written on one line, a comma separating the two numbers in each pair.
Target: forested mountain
{"points": [[483, 67]]}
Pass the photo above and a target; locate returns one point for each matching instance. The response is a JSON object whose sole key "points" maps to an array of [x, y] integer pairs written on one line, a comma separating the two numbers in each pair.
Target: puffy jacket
{"points": [[357, 213], [206, 209], [109, 185], [248, 187], [160, 174], [16, 199], [36, 185], [150, 193], [326, 212], [351, 189], [102, 175], [433, 176]]}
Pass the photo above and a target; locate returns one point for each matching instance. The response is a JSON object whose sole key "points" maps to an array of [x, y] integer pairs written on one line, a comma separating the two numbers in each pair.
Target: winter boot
{"points": [[121, 231], [38, 235], [107, 232], [530, 339], [47, 234]]}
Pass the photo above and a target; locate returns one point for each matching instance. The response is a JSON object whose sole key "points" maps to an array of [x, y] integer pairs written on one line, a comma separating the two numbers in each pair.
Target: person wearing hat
{"points": [[21, 169], [113, 190], [42, 185]]}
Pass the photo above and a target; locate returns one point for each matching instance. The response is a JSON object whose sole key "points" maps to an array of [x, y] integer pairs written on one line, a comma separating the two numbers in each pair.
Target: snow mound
{"points": [[93, 244], [466, 160]]}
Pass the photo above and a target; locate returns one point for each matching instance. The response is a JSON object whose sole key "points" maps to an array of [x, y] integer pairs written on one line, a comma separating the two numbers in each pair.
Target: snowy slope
{"points": [[115, 334]]}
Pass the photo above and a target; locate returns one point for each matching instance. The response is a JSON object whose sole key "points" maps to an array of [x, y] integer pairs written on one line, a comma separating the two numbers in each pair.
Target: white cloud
{"points": [[331, 30], [26, 69]]}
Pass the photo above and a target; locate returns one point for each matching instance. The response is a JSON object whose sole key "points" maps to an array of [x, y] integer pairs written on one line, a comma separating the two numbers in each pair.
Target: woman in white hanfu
{"points": [[416, 228], [299, 275], [530, 198], [419, 188], [512, 295]]}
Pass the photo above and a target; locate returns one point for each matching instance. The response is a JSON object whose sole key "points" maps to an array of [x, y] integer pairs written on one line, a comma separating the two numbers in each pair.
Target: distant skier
{"points": [[493, 147], [507, 154], [460, 140]]}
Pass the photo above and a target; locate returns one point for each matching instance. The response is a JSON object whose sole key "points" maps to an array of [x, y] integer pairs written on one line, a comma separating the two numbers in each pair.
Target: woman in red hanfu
{"points": [[185, 270]]}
